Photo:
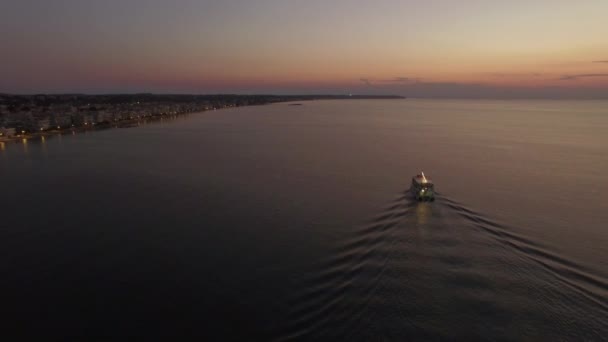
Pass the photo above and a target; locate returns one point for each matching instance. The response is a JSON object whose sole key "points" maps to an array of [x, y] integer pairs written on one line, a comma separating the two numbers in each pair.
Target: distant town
{"points": [[27, 116]]}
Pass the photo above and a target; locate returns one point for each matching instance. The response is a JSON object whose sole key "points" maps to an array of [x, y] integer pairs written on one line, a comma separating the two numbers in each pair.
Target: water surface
{"points": [[279, 222]]}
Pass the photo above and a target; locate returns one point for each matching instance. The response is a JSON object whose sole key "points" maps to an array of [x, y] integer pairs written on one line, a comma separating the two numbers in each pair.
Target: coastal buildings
{"points": [[38, 114], [7, 132]]}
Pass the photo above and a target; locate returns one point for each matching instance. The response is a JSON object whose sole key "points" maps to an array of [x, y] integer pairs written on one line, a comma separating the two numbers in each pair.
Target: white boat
{"points": [[423, 188]]}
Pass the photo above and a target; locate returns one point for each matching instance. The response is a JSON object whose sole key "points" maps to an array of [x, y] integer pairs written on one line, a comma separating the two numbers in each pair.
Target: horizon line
{"points": [[440, 97]]}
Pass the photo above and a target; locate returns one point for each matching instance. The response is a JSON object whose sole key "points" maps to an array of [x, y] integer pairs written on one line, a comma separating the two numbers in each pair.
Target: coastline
{"points": [[126, 123], [135, 121]]}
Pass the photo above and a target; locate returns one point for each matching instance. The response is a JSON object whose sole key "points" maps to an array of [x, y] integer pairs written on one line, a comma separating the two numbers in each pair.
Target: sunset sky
{"points": [[475, 48]]}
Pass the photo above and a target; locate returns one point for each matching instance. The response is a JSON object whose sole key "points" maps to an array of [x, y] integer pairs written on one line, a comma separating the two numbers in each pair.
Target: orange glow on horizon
{"points": [[388, 46]]}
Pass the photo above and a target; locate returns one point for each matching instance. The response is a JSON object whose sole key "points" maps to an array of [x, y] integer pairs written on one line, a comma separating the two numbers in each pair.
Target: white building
{"points": [[7, 132], [44, 124]]}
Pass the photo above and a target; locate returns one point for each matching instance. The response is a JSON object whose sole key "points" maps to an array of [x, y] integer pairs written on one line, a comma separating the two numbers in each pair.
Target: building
{"points": [[44, 124], [7, 132]]}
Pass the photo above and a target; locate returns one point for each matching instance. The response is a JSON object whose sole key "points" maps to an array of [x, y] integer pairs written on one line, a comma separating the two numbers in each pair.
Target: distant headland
{"points": [[29, 116]]}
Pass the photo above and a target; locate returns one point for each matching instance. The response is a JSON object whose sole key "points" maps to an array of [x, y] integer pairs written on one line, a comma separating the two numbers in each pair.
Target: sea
{"points": [[281, 222]]}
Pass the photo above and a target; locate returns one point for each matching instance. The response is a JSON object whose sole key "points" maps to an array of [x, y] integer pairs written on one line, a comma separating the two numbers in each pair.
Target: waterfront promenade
{"points": [[24, 117]]}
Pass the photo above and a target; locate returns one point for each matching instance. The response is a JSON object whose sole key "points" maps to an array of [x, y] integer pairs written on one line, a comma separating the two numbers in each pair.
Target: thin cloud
{"points": [[600, 61], [366, 81], [397, 80], [506, 75], [432, 89], [402, 80], [579, 76]]}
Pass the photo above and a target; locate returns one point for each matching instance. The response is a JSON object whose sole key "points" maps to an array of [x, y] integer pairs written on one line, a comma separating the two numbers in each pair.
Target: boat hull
{"points": [[423, 195]]}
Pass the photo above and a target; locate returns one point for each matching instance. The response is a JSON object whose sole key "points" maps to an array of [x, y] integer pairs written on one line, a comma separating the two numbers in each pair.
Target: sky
{"points": [[432, 48]]}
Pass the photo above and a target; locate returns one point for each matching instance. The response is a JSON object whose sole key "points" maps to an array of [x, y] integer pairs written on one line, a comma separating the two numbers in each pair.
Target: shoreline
{"points": [[133, 122], [127, 123]]}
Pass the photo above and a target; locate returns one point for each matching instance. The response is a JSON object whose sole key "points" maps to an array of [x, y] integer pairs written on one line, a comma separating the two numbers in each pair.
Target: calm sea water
{"points": [[294, 222]]}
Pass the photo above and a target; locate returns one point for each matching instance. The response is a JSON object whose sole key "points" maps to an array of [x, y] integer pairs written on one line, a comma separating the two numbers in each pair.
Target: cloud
{"points": [[396, 81], [578, 76], [600, 61], [402, 79], [480, 90], [399, 80], [366, 81], [506, 75]]}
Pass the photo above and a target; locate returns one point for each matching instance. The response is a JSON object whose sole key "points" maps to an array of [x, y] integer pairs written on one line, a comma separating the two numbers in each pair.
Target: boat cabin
{"points": [[422, 187]]}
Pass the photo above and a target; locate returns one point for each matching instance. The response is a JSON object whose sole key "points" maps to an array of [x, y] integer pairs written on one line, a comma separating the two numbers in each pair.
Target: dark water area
{"points": [[294, 222]]}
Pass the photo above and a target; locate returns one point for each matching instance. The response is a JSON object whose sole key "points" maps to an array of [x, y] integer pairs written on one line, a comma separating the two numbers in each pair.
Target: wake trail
{"points": [[356, 266], [568, 272]]}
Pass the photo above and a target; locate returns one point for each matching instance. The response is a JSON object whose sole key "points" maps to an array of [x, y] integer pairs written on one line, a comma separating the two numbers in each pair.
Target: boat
{"points": [[423, 188]]}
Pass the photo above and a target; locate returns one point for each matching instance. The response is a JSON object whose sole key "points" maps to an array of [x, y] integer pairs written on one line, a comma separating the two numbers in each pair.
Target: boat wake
{"points": [[353, 270], [429, 270], [568, 272]]}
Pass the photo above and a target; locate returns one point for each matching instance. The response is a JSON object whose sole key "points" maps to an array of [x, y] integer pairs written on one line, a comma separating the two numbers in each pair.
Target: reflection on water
{"points": [[43, 146], [423, 213]]}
